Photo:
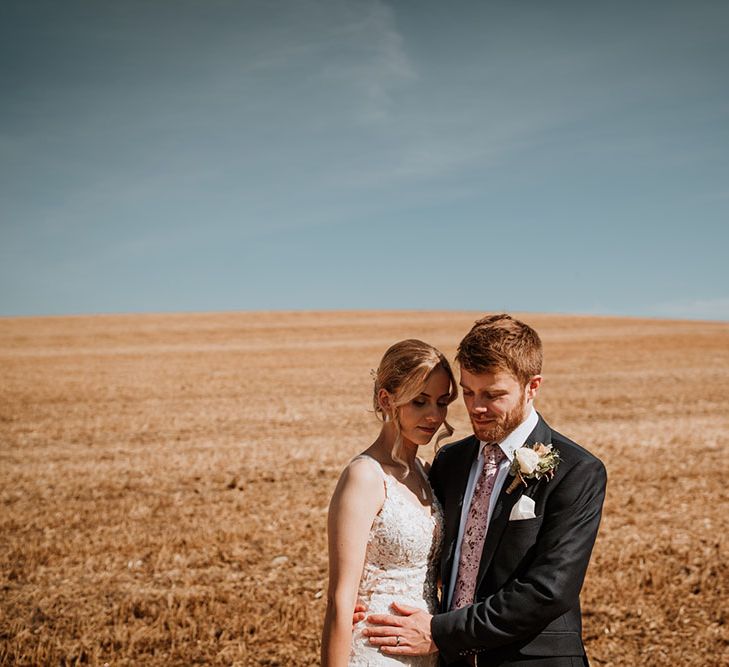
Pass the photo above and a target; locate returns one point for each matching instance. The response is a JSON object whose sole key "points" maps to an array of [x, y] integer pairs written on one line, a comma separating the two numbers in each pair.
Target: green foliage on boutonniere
{"points": [[534, 462]]}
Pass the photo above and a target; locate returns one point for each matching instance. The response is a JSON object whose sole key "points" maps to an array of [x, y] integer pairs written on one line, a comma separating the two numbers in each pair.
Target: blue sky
{"points": [[217, 155]]}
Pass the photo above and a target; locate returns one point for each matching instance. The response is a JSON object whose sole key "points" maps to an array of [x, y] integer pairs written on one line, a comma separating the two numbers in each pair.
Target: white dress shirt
{"points": [[508, 445]]}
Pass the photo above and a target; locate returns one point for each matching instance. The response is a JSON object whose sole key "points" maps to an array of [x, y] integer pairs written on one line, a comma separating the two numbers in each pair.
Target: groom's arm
{"points": [[551, 584]]}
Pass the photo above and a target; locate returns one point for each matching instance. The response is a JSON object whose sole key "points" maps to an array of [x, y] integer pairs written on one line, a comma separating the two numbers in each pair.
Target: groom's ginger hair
{"points": [[500, 342]]}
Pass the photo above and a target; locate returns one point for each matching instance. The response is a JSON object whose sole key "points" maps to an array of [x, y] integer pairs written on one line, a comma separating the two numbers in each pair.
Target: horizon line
{"points": [[293, 311]]}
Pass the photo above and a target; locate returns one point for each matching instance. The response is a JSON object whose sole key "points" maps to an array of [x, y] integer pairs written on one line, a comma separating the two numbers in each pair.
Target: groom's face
{"points": [[496, 403]]}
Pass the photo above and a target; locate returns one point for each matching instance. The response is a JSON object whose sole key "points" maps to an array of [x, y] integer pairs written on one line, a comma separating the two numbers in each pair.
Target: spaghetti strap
{"points": [[420, 465], [378, 467], [422, 469]]}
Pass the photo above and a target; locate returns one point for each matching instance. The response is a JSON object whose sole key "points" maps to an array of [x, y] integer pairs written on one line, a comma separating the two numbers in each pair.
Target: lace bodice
{"points": [[401, 564]]}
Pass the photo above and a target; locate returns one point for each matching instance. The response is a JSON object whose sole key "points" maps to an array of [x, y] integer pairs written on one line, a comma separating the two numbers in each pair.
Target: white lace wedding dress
{"points": [[401, 565]]}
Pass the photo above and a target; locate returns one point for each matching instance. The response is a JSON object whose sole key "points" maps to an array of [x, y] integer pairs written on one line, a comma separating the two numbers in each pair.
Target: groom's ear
{"points": [[533, 387]]}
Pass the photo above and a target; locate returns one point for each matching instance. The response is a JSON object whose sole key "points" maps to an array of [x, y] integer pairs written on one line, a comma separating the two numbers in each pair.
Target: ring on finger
{"points": [[397, 640]]}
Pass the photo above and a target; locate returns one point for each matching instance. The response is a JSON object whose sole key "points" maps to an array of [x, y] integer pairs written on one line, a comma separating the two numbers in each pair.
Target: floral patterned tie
{"points": [[474, 533]]}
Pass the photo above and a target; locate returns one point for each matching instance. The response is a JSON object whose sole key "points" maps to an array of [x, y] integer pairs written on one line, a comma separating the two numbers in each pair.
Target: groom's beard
{"points": [[497, 430]]}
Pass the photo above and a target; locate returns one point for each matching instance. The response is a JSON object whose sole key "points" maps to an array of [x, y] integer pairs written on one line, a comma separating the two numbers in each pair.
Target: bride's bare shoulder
{"points": [[360, 485], [363, 470]]}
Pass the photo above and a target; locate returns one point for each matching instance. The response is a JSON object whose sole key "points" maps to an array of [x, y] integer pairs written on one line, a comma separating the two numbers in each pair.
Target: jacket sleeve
{"points": [[551, 583]]}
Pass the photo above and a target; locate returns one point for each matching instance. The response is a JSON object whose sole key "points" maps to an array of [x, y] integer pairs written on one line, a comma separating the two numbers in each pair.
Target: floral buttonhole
{"points": [[533, 462]]}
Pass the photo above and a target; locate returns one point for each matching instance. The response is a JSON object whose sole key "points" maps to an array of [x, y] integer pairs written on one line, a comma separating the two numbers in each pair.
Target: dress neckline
{"points": [[428, 511]]}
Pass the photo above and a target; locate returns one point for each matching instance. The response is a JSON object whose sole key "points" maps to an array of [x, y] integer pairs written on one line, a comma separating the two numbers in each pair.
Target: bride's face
{"points": [[421, 418]]}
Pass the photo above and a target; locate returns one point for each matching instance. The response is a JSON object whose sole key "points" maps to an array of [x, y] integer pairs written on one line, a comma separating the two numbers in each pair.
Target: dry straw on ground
{"points": [[164, 480]]}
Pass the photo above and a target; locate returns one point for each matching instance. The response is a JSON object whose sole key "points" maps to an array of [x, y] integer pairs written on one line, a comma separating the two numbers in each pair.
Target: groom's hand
{"points": [[407, 634]]}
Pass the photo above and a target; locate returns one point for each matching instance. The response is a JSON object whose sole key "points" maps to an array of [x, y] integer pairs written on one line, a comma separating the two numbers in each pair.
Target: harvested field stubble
{"points": [[164, 479]]}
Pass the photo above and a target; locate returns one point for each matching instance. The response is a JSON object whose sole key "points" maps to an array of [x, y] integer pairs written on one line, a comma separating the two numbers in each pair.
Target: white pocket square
{"points": [[524, 509]]}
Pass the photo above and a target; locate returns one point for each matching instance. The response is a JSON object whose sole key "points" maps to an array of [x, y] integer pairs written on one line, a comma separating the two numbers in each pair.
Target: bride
{"points": [[385, 527]]}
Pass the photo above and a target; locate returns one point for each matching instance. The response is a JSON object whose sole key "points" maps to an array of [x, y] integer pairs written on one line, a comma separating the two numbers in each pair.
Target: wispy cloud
{"points": [[379, 65], [351, 49]]}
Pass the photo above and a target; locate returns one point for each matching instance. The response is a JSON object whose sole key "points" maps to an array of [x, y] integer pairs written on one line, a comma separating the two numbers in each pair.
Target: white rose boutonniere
{"points": [[533, 462], [527, 460]]}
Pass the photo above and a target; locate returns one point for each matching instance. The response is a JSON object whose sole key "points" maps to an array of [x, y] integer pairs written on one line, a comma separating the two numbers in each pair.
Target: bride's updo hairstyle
{"points": [[403, 372]]}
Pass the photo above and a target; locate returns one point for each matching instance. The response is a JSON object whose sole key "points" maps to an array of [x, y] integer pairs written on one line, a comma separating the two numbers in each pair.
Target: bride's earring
{"points": [[384, 399]]}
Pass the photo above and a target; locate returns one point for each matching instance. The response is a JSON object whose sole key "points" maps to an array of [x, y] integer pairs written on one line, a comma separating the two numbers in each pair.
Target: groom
{"points": [[516, 546]]}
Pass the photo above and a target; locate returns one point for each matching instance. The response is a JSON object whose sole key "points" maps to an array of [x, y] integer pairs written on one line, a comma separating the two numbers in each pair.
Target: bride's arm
{"points": [[357, 499]]}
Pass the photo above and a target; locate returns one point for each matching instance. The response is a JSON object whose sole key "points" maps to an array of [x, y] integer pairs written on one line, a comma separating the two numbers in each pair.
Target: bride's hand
{"points": [[359, 614]]}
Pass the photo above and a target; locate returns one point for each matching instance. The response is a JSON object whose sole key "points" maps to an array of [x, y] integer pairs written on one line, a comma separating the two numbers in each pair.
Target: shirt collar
{"points": [[517, 437]]}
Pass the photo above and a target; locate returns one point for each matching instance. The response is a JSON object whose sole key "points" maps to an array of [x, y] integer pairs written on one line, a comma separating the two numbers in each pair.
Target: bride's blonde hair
{"points": [[403, 372]]}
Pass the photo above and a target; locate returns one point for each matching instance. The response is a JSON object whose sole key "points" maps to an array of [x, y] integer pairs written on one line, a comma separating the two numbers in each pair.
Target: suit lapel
{"points": [[459, 474], [541, 433], [504, 504], [497, 523]]}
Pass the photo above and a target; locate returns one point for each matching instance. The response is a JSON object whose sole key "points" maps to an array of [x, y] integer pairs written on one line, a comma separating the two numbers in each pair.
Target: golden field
{"points": [[164, 479]]}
